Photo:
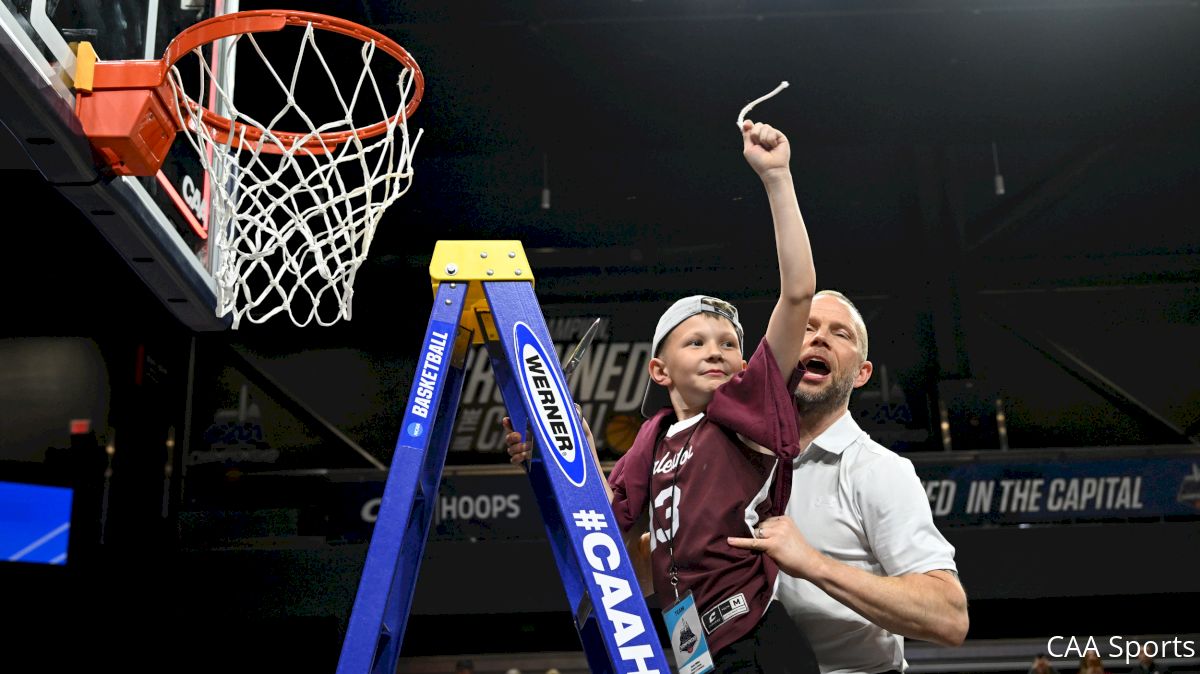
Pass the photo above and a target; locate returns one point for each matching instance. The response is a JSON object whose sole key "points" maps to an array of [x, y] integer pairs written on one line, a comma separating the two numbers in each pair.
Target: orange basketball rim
{"points": [[129, 109]]}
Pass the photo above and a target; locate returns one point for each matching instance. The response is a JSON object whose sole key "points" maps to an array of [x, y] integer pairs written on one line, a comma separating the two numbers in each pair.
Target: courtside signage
{"points": [[546, 394]]}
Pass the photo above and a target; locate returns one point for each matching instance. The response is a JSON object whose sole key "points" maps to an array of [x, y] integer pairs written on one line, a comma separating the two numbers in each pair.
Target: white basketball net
{"points": [[289, 230]]}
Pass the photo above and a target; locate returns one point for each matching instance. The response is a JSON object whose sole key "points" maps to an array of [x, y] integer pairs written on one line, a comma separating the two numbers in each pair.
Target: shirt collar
{"points": [[840, 435], [684, 425]]}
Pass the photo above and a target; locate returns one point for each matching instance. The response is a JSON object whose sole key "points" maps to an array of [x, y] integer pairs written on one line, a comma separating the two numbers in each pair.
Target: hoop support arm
{"points": [[131, 112]]}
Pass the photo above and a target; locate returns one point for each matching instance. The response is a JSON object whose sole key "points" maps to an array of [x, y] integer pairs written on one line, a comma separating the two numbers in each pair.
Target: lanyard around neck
{"points": [[673, 571]]}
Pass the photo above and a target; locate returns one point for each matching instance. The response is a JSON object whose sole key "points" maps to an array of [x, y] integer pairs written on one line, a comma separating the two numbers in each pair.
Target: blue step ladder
{"points": [[483, 294]]}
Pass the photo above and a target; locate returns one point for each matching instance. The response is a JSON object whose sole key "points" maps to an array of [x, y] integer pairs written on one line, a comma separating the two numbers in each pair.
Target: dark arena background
{"points": [[1007, 189]]}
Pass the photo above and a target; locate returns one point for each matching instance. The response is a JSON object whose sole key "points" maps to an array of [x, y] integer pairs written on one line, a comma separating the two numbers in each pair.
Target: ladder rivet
{"points": [[491, 272], [483, 255], [452, 269], [517, 272]]}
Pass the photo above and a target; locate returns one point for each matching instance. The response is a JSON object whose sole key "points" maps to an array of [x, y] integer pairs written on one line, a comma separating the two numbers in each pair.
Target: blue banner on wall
{"points": [[996, 490], [1015, 492]]}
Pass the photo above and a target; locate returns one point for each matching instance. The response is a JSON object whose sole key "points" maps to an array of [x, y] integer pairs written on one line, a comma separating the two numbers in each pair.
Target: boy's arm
{"points": [[519, 449], [637, 536], [767, 151], [591, 439]]}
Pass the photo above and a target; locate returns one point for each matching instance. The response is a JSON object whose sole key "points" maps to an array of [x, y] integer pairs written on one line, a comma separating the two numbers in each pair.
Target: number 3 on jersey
{"points": [[666, 510]]}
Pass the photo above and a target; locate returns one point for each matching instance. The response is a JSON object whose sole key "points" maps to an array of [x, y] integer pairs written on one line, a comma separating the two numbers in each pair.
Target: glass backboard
{"points": [[158, 224]]}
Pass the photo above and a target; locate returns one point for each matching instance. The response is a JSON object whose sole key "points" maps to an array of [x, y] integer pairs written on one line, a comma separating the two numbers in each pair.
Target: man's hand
{"points": [[929, 606], [765, 148], [779, 538]]}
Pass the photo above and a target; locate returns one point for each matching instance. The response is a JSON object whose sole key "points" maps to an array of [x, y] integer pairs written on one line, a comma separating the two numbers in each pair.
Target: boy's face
{"points": [[699, 355]]}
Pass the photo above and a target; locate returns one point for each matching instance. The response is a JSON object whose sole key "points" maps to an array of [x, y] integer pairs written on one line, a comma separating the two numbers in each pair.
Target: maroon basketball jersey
{"points": [[703, 484]]}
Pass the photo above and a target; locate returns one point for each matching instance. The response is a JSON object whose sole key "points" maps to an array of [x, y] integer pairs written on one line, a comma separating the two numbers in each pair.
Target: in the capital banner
{"points": [[502, 507], [1022, 491]]}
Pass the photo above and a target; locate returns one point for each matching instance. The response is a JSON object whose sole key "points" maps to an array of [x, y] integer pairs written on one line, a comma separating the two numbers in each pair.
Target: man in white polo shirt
{"points": [[865, 564]]}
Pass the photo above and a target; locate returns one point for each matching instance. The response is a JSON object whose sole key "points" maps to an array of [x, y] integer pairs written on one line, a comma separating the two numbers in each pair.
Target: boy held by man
{"points": [[714, 457]]}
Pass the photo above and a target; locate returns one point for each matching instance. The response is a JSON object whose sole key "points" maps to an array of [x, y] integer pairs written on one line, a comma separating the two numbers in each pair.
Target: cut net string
{"points": [[291, 226], [750, 106]]}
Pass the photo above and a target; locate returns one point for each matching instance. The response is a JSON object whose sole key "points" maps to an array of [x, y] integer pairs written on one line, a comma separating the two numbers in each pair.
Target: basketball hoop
{"points": [[294, 211]]}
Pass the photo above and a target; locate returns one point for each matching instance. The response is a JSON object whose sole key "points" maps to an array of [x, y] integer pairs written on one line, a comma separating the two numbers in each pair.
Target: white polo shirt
{"points": [[863, 505]]}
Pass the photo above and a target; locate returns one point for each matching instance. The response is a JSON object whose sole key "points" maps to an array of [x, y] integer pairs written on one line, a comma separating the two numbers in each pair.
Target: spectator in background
{"points": [[464, 667], [1091, 664], [1041, 665], [1146, 665]]}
